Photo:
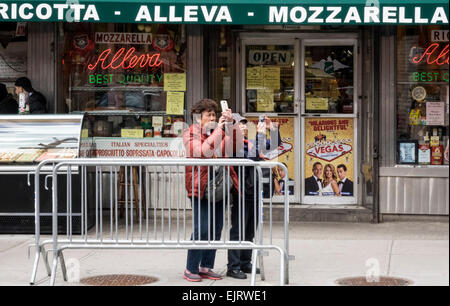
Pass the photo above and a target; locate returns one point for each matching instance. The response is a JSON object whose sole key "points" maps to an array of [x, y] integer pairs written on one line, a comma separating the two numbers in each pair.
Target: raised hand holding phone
{"points": [[224, 105]]}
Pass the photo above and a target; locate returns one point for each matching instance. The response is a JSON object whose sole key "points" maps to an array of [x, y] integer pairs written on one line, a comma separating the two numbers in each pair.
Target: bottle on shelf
{"points": [[147, 127], [24, 107], [157, 124], [424, 150], [167, 130], [437, 149]]}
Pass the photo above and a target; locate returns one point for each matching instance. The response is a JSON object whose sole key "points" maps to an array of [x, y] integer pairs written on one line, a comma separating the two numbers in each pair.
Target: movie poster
{"points": [[329, 162], [284, 153]]}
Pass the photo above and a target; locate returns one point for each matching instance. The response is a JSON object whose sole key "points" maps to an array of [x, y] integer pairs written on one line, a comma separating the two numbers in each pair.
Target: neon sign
{"points": [[125, 60], [431, 56], [125, 79], [434, 76]]}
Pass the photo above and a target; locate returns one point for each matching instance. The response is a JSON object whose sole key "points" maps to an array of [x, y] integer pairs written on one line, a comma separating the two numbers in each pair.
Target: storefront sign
{"points": [[329, 147], [440, 35], [435, 113], [133, 148], [229, 11], [434, 76], [125, 59], [434, 54], [125, 79], [265, 57], [123, 38]]}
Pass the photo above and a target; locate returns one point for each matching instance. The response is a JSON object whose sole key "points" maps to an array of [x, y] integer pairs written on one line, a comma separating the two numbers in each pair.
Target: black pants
{"points": [[238, 259]]}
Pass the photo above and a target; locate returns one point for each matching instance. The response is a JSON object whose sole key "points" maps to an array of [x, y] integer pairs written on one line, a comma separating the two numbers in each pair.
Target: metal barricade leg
{"points": [[35, 265], [45, 259], [286, 270], [260, 223], [54, 267], [261, 265], [39, 250], [254, 261], [63, 265], [282, 266]]}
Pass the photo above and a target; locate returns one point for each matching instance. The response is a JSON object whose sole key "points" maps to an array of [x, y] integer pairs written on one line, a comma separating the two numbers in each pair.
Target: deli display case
{"points": [[25, 141]]}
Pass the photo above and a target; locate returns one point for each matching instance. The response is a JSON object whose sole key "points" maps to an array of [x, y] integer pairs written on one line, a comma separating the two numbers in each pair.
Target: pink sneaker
{"points": [[209, 274], [191, 276]]}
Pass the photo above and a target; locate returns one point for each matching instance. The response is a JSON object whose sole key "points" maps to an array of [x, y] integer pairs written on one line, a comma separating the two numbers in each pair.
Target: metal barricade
{"points": [[160, 220]]}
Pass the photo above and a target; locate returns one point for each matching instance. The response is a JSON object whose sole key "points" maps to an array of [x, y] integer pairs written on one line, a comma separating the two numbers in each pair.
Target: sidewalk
{"points": [[324, 252]]}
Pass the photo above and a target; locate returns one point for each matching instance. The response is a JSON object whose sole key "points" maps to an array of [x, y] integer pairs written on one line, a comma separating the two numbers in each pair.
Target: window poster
{"points": [[316, 104], [175, 103], [175, 82], [264, 100], [254, 78], [283, 153], [271, 78], [435, 113], [329, 163]]}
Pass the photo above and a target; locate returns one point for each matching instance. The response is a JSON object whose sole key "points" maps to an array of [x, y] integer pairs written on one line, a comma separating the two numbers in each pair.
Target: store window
{"points": [[329, 81], [269, 78], [220, 57], [422, 95], [125, 76]]}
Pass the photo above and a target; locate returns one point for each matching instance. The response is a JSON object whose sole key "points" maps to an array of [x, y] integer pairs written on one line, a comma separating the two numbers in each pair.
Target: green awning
{"points": [[262, 12]]}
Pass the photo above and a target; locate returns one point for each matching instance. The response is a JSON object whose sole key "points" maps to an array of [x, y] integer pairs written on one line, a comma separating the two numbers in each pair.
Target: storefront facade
{"points": [[359, 89]]}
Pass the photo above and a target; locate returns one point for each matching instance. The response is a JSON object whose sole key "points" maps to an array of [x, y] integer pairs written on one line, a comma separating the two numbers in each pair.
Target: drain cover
{"points": [[118, 280], [383, 281]]}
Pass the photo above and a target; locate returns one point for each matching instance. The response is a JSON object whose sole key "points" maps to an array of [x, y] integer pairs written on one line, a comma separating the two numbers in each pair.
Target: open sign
{"points": [[264, 57]]}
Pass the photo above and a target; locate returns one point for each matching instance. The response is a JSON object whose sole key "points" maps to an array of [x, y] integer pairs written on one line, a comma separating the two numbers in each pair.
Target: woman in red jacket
{"points": [[207, 138]]}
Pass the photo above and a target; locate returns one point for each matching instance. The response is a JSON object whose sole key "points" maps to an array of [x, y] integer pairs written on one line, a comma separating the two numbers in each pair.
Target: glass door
{"points": [[270, 86], [328, 125]]}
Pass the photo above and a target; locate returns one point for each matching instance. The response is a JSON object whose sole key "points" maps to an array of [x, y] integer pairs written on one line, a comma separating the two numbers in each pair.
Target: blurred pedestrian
{"points": [[7, 103], [36, 100]]}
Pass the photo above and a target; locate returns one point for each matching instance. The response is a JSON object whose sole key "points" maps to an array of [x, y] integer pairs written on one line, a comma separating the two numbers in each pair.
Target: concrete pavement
{"points": [[324, 252]]}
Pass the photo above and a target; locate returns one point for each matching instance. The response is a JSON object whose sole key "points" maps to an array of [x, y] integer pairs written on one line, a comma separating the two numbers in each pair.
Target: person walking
{"points": [[7, 103], [36, 100], [243, 215], [205, 138]]}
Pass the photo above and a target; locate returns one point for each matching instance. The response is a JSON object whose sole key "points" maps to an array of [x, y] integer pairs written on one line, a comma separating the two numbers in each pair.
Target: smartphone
{"points": [[224, 105]]}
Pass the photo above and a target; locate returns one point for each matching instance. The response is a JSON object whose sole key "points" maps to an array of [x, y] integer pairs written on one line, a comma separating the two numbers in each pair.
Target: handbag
{"points": [[217, 183]]}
